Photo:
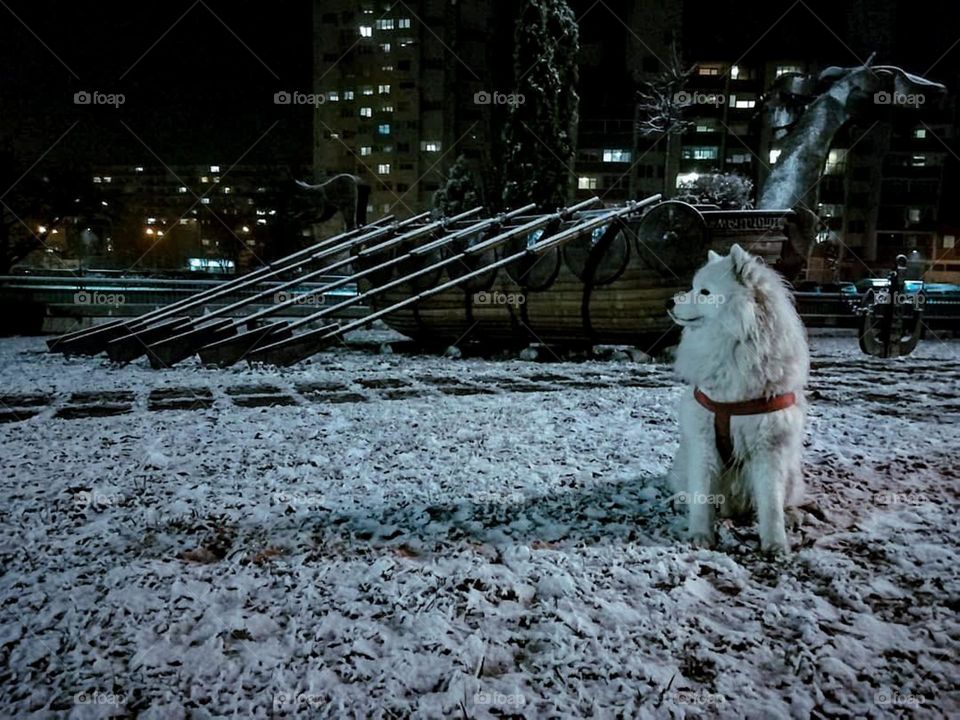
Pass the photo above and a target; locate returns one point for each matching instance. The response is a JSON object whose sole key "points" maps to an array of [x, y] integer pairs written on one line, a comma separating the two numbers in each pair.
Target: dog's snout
{"points": [[671, 303]]}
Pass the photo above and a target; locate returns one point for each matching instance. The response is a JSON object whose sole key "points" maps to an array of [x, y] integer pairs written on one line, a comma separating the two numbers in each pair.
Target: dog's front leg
{"points": [[765, 474], [703, 465]]}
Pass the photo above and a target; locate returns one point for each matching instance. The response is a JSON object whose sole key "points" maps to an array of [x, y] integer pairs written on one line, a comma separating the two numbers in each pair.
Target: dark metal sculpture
{"points": [[805, 130], [891, 319]]}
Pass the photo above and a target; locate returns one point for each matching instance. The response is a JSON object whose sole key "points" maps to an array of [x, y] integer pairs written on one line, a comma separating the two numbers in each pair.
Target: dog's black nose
{"points": [[670, 303]]}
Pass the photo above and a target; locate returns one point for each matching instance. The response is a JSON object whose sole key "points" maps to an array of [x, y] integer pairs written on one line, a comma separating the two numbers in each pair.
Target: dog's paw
{"points": [[703, 540], [775, 548]]}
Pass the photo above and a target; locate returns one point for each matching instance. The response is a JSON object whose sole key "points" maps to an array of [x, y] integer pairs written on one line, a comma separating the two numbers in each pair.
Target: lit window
{"points": [[949, 241], [366, 112], [586, 182], [735, 72], [700, 152], [366, 90], [616, 155], [744, 104], [181, 189], [107, 178], [403, 23], [387, 108], [333, 96], [920, 133], [383, 169], [205, 201], [784, 69], [227, 191], [214, 168], [383, 89], [708, 70], [385, 24], [774, 155], [830, 210], [365, 150], [97, 179], [918, 160], [384, 129], [704, 128], [386, 68], [366, 31], [430, 145], [138, 168], [385, 47], [836, 162], [348, 94], [914, 215]]}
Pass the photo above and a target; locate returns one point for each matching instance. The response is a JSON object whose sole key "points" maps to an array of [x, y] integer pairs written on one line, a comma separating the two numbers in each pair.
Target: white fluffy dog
{"points": [[743, 351]]}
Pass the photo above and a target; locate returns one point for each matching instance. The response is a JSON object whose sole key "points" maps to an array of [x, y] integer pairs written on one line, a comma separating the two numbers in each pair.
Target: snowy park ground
{"points": [[370, 535]]}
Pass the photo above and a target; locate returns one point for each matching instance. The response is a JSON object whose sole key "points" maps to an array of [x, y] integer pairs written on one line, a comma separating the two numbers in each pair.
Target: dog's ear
{"points": [[713, 257]]}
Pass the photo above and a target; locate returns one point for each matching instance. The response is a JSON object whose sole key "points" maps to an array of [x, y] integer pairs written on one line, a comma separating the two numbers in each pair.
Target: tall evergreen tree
{"points": [[541, 130], [459, 193]]}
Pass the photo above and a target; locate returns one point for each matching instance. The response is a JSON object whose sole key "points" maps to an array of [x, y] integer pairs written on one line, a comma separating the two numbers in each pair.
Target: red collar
{"points": [[723, 411]]}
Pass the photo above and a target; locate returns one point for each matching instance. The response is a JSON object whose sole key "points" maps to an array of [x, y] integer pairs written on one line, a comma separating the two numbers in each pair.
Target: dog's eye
{"points": [[704, 292]]}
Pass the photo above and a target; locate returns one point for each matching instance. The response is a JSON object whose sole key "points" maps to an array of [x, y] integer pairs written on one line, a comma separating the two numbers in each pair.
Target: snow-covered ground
{"points": [[372, 535]]}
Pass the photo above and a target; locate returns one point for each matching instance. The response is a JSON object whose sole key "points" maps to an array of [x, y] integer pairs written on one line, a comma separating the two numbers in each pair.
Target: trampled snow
{"points": [[371, 535]]}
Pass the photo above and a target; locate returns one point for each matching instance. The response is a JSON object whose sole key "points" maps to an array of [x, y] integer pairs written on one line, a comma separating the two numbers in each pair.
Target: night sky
{"points": [[197, 96], [203, 93]]}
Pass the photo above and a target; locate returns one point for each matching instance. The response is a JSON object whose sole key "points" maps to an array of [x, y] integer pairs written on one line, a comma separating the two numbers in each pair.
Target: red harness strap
{"points": [[723, 411]]}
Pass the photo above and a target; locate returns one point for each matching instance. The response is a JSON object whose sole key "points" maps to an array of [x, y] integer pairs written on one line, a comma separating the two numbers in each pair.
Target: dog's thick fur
{"points": [[742, 339]]}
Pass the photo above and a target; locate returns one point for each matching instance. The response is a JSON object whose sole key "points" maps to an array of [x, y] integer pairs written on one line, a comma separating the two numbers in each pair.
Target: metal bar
{"points": [[134, 337], [216, 349], [232, 286], [167, 351], [410, 235], [500, 239], [617, 213], [495, 241]]}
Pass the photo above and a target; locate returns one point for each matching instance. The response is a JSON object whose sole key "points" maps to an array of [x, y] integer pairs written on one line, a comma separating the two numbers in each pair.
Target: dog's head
{"points": [[726, 291]]}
